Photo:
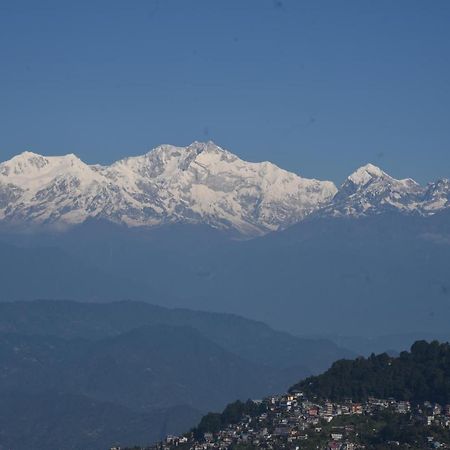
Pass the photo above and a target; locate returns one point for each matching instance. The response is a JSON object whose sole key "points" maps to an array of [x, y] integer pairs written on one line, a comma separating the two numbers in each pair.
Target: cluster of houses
{"points": [[292, 421]]}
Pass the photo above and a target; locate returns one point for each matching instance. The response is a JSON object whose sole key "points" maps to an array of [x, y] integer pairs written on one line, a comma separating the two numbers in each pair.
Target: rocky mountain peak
{"points": [[365, 174]]}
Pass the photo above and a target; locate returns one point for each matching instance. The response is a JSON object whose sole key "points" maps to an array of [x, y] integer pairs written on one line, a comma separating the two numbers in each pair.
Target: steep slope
{"points": [[201, 183]]}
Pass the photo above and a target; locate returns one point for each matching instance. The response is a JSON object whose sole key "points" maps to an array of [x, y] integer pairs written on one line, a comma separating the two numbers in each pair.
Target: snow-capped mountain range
{"points": [[201, 183]]}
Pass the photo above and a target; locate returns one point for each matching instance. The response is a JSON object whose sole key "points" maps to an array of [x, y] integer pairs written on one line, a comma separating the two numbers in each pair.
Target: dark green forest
{"points": [[421, 374], [232, 414]]}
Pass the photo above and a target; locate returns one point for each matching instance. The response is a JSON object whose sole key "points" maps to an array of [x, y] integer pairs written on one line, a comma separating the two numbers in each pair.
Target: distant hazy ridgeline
{"points": [[132, 372]]}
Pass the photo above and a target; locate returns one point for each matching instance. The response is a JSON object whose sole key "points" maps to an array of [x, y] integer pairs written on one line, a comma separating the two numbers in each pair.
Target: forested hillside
{"points": [[419, 375]]}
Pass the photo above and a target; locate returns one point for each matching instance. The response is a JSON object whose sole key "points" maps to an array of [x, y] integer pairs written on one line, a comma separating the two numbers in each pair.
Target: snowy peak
{"points": [[203, 183], [207, 148], [29, 164], [370, 174], [167, 160], [198, 184], [370, 191], [366, 174], [24, 163]]}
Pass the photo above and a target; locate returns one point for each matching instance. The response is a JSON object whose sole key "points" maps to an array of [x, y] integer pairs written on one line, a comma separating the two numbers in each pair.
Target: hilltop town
{"points": [[292, 421]]}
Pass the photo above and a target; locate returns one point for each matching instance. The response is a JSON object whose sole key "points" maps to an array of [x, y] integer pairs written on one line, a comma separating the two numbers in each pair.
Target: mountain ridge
{"points": [[133, 372], [201, 183], [198, 184]]}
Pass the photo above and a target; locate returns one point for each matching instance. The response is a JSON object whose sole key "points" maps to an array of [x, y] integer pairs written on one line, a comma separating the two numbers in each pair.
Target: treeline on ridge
{"points": [[419, 375]]}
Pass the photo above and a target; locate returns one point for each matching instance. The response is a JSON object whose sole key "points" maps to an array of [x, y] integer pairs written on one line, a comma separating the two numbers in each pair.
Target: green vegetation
{"points": [[232, 414], [306, 419], [383, 430], [379, 429], [419, 375]]}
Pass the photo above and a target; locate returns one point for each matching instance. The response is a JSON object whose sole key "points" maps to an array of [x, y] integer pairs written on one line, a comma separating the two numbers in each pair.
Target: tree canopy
{"points": [[419, 375]]}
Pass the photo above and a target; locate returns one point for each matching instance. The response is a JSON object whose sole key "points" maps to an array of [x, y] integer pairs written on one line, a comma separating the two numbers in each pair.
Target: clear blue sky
{"points": [[318, 87]]}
